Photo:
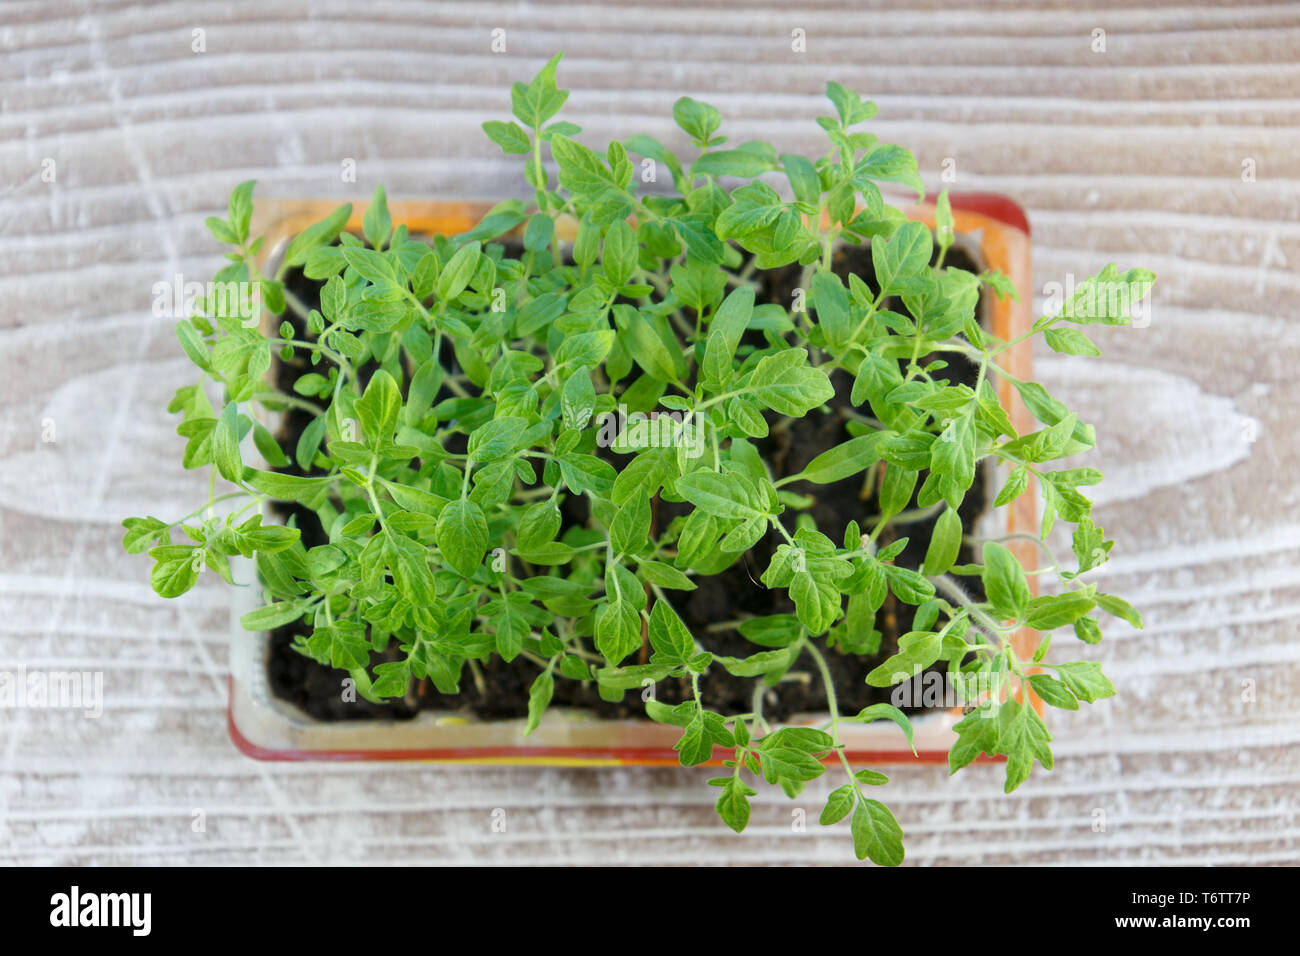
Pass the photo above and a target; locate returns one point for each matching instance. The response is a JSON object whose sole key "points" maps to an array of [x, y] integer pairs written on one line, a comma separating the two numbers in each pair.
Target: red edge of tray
{"points": [[995, 206]]}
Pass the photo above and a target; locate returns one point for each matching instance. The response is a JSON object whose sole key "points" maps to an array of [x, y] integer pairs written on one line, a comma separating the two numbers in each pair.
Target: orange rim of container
{"points": [[1004, 244]]}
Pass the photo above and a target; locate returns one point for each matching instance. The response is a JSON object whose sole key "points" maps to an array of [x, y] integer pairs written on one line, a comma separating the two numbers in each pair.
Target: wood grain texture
{"points": [[1133, 155]]}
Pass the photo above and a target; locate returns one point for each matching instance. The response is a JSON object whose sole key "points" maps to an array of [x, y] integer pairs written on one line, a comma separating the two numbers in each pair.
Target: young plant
{"points": [[462, 389]]}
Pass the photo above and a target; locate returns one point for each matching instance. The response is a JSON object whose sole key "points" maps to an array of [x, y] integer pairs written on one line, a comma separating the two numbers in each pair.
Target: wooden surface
{"points": [[1132, 155]]}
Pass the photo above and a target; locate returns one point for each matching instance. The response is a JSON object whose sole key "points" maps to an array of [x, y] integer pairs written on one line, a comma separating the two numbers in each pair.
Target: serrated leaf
{"points": [[1085, 680], [462, 536], [1053, 692], [876, 834], [1004, 581]]}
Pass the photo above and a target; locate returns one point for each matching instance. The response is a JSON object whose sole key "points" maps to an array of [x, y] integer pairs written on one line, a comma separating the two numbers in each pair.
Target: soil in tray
{"points": [[734, 594]]}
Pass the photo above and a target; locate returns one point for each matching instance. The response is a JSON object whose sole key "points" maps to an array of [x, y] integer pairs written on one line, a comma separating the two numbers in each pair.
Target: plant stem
{"points": [[831, 703]]}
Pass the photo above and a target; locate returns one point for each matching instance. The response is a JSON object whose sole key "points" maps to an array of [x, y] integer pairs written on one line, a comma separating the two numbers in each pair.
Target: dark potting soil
{"points": [[733, 594]]}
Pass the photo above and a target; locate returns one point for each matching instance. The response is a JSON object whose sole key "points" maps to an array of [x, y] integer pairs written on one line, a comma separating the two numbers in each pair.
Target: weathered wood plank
{"points": [[1133, 155]]}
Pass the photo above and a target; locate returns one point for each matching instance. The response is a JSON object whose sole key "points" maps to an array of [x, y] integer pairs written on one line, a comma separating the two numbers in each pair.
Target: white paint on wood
{"points": [[1132, 156]]}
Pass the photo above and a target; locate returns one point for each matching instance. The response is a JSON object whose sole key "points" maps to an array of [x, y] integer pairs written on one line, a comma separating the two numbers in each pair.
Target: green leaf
{"points": [[1070, 342], [850, 107], [754, 208], [1053, 692], [740, 163], [645, 344], [669, 637], [141, 533], [370, 265], [225, 444], [665, 575], [586, 349], [792, 754], [272, 616], [1051, 411], [538, 101], [378, 408], [408, 560], [288, 487], [908, 586], [456, 274], [1088, 630], [377, 224], [1014, 487], [813, 581], [803, 178], [316, 236], [726, 496], [756, 665], [462, 536], [221, 231], [839, 802], [619, 255], [173, 576], [917, 651], [871, 777], [587, 473], [831, 301], [896, 490], [268, 447], [587, 243], [344, 645], [945, 543], [618, 629], [193, 344], [1057, 610], [844, 460], [1085, 680], [725, 330], [539, 696], [952, 457], [392, 679], [497, 439], [876, 834], [906, 254], [578, 399], [699, 737], [774, 630], [888, 712], [509, 136], [784, 383], [1120, 608], [977, 733], [240, 208], [538, 525], [1023, 738], [943, 221], [699, 120], [1004, 581], [733, 804], [630, 529]]}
